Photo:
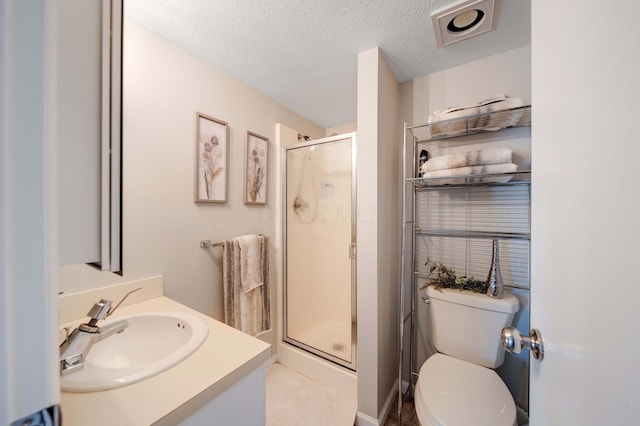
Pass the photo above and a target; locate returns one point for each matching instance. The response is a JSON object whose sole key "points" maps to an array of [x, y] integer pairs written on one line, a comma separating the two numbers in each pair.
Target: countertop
{"points": [[226, 356]]}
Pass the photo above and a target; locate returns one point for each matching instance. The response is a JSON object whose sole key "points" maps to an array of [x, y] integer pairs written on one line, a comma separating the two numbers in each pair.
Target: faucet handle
{"points": [[100, 309], [103, 308]]}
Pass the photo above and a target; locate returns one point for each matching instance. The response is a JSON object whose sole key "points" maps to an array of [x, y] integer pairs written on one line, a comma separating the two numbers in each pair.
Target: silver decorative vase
{"points": [[494, 280]]}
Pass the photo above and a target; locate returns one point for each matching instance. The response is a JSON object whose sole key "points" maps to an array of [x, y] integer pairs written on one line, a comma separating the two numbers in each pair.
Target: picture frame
{"points": [[211, 159], [256, 169]]}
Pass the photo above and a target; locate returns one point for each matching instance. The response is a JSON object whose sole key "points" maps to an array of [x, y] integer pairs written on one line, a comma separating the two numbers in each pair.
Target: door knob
{"points": [[514, 342]]}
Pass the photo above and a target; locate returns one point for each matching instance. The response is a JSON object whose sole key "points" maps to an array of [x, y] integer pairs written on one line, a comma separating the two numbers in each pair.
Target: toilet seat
{"points": [[452, 392]]}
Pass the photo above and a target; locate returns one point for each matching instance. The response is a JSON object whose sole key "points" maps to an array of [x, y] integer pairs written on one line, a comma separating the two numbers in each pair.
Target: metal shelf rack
{"points": [[454, 131]]}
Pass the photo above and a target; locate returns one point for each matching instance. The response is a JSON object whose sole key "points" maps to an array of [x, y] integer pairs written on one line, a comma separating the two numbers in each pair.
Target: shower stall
{"points": [[319, 248]]}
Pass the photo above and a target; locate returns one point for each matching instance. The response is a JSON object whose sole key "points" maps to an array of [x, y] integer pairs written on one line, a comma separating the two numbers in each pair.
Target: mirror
{"points": [[89, 138]]}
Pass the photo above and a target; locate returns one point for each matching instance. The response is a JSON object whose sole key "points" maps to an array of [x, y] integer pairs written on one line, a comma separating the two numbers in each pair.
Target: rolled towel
{"points": [[491, 169], [492, 119], [469, 158], [484, 107], [450, 113], [499, 119], [452, 127]]}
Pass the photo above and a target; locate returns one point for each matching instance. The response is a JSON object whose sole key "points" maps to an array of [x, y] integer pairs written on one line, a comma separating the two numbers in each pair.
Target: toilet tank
{"points": [[467, 325]]}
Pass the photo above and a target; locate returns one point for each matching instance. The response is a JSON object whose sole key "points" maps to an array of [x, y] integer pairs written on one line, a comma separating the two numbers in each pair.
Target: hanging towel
{"points": [[250, 262], [247, 295]]}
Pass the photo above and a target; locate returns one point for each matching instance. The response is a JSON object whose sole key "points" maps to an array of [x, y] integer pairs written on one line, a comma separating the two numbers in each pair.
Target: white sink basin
{"points": [[152, 343]]}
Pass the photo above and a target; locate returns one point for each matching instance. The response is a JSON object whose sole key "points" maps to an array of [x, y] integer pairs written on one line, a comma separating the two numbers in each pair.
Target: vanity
{"points": [[221, 382]]}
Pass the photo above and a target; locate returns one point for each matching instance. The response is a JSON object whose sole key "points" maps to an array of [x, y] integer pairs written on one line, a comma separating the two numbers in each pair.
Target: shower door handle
{"points": [[352, 251]]}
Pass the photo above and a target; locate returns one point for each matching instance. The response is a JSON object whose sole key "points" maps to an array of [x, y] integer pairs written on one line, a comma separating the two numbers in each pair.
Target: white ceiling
{"points": [[303, 53]]}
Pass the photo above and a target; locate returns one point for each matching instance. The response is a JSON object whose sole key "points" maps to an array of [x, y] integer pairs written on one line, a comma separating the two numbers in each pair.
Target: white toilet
{"points": [[457, 386]]}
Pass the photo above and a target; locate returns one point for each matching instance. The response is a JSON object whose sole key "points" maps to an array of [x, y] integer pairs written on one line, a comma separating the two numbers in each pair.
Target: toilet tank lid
{"points": [[508, 304]]}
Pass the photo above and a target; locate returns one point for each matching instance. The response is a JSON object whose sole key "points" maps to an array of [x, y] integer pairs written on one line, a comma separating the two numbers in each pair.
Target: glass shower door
{"points": [[319, 248]]}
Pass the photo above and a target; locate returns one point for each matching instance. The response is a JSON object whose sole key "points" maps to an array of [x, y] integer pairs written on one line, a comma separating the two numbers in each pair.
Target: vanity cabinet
{"points": [[244, 403], [453, 220]]}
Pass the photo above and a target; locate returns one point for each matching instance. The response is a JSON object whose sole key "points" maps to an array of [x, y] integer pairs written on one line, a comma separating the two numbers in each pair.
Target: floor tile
{"points": [[293, 399]]}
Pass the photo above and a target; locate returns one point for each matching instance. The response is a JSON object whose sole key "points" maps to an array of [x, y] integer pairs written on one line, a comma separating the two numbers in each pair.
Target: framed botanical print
{"points": [[256, 169], [211, 169]]}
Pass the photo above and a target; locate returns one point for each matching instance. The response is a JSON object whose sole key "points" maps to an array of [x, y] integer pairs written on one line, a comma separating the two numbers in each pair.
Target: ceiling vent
{"points": [[462, 20]]}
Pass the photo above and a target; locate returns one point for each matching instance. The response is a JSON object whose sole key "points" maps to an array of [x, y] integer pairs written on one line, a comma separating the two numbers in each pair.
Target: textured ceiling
{"points": [[303, 53]]}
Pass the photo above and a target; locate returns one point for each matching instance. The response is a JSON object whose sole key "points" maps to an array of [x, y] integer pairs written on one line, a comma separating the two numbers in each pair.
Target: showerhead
{"points": [[303, 138]]}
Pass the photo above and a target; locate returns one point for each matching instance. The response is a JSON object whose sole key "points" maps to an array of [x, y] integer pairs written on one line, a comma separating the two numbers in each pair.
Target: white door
{"points": [[29, 380], [586, 212]]}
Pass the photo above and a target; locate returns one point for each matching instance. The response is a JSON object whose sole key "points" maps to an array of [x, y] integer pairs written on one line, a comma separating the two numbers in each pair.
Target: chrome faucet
{"points": [[76, 346]]}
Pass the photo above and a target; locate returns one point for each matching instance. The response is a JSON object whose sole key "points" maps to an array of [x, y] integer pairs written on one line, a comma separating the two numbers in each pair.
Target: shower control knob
{"points": [[514, 342]]}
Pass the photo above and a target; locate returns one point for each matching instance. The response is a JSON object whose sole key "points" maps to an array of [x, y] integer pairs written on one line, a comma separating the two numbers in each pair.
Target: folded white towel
{"points": [[452, 127], [497, 98], [491, 117], [450, 113], [490, 169], [469, 158], [496, 121]]}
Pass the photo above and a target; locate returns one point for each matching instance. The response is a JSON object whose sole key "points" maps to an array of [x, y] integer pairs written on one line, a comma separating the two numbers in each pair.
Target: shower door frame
{"points": [[352, 252]]}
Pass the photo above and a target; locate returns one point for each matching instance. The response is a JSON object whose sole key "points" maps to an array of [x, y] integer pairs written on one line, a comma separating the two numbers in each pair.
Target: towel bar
{"points": [[209, 244]]}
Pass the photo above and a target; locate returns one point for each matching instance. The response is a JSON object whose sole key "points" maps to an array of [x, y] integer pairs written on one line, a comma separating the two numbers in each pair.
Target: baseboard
{"points": [[268, 363], [393, 394], [322, 371], [365, 420]]}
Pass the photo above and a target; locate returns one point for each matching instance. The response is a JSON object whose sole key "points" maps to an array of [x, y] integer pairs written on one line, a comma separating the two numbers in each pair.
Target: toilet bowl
{"points": [[453, 392], [458, 386]]}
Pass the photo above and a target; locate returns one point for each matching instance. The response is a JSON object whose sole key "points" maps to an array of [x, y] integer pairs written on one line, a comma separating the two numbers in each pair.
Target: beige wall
{"points": [[341, 130], [507, 73], [378, 231], [164, 86]]}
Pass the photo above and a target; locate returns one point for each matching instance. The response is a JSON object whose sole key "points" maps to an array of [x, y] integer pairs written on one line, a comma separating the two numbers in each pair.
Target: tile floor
{"points": [[409, 417], [293, 399]]}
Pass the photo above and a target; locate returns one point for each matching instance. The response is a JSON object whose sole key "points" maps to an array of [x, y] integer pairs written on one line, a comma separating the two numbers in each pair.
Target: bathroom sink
{"points": [[152, 343]]}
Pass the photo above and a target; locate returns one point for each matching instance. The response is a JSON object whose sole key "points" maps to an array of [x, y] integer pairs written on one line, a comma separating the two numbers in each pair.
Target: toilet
{"points": [[458, 386]]}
